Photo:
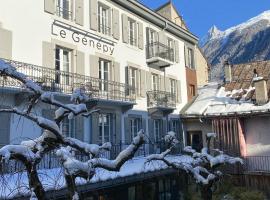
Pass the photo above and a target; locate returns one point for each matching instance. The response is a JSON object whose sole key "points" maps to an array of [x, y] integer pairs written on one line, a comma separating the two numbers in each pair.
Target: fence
{"points": [[50, 160]]}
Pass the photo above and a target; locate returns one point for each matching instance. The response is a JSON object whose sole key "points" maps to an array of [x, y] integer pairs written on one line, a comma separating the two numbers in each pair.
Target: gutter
{"points": [[157, 19]]}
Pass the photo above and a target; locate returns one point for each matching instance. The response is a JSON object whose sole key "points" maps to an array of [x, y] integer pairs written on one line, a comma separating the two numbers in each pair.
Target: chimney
{"points": [[260, 90], [228, 72]]}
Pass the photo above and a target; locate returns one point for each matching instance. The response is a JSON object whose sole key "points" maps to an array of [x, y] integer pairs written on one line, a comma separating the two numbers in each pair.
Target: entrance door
{"points": [[62, 65], [195, 140]]}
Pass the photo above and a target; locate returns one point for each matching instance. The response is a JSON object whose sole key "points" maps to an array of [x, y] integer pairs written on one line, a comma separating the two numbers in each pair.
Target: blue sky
{"points": [[200, 15]]}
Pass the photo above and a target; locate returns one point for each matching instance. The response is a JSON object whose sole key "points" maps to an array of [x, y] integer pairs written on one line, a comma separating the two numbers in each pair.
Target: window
{"points": [[104, 124], [103, 19], [132, 31], [132, 193], [67, 127], [104, 69], [157, 129], [151, 43], [173, 86], [62, 65], [190, 57], [155, 82], [64, 9], [175, 126], [192, 90], [134, 80], [170, 49], [135, 126]]}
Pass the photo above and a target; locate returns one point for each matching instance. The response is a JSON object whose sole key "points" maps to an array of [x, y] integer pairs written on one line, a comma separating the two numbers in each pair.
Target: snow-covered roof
{"points": [[53, 179], [235, 97]]}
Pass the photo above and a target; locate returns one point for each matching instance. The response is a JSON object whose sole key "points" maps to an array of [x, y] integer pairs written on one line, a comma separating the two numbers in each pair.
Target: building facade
{"points": [[130, 59]]}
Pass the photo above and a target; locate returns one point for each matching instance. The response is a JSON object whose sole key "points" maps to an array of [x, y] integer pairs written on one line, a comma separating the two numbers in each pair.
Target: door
{"points": [[62, 65], [104, 70], [194, 139]]}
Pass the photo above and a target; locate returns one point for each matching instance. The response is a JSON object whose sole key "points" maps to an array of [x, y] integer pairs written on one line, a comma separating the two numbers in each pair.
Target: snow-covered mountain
{"points": [[249, 41]]}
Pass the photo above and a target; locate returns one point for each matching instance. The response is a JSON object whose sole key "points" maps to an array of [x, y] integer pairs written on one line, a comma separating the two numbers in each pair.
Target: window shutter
{"points": [[149, 81], [50, 6], [79, 128], [162, 38], [115, 24], [127, 130], [95, 128], [144, 124], [176, 51], [178, 92], [5, 44], [118, 130], [127, 79], [140, 38], [79, 12], [93, 15], [125, 28], [80, 63], [143, 83], [151, 130], [5, 128], [164, 127], [186, 56], [48, 54], [94, 66], [138, 82], [167, 84], [117, 72], [162, 88], [147, 35]]}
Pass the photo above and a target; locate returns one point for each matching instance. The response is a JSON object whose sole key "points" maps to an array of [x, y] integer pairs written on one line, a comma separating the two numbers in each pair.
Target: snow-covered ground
{"points": [[12, 185]]}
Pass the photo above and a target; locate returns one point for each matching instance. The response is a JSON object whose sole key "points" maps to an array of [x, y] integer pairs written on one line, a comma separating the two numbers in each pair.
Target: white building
{"points": [[131, 59]]}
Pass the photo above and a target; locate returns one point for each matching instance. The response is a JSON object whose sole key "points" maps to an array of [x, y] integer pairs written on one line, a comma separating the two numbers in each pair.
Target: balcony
{"points": [[160, 101], [159, 56], [65, 82]]}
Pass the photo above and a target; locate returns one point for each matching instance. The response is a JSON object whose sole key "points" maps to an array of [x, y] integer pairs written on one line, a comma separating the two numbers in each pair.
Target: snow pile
{"points": [[211, 135], [7, 151]]}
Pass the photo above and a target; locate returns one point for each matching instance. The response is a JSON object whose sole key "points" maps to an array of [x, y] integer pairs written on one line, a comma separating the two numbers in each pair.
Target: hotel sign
{"points": [[82, 37]]}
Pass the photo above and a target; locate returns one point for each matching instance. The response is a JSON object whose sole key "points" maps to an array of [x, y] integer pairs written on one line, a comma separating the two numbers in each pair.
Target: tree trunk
{"points": [[206, 192], [71, 186], [34, 182]]}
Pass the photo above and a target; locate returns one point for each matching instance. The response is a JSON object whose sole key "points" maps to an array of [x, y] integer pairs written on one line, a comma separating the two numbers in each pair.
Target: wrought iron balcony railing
{"points": [[162, 99], [65, 82], [159, 50]]}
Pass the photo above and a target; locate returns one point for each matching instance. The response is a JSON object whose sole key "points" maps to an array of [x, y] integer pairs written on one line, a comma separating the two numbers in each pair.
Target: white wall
{"points": [[257, 136]]}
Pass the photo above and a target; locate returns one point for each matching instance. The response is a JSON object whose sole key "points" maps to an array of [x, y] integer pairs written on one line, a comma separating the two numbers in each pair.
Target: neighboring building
{"points": [[129, 58], [239, 112], [195, 62]]}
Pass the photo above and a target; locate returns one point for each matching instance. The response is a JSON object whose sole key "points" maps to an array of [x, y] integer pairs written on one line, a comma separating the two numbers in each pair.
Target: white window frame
{"points": [[63, 64], [104, 74], [104, 19], [63, 10], [173, 86], [132, 34], [103, 136], [152, 41], [174, 125]]}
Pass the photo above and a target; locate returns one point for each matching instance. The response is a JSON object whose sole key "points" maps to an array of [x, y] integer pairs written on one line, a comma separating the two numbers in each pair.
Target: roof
{"points": [[234, 98], [242, 75]]}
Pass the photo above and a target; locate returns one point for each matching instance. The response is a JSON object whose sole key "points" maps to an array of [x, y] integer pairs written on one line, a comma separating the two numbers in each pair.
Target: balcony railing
{"points": [[159, 50], [162, 99], [65, 82]]}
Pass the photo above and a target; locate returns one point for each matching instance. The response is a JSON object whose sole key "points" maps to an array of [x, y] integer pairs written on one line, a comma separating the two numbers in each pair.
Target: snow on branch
{"points": [[19, 151], [93, 150], [7, 69], [125, 155]]}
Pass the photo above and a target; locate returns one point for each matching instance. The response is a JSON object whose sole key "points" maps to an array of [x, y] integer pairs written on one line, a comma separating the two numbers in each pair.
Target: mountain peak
{"points": [[213, 32]]}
